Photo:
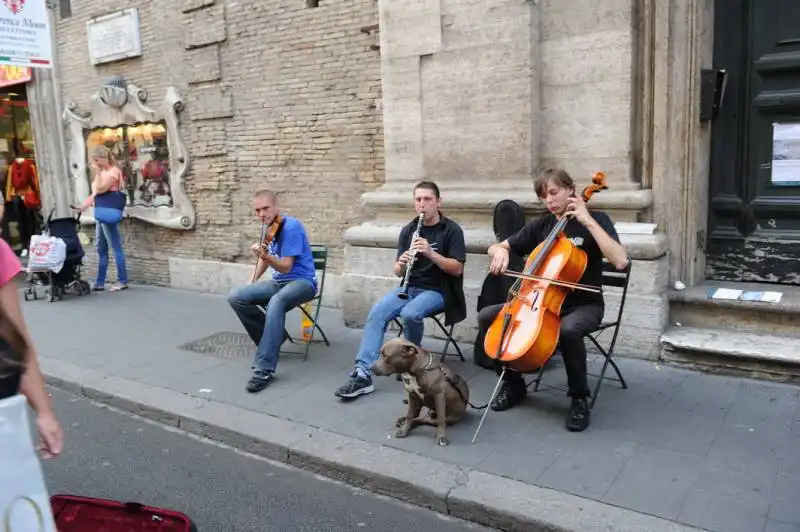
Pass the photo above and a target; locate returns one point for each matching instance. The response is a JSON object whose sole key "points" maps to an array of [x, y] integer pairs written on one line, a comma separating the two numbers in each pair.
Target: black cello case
{"points": [[508, 219]]}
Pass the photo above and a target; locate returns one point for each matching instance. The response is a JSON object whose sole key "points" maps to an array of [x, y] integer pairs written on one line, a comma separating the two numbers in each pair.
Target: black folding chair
{"points": [[320, 254], [448, 332], [611, 278]]}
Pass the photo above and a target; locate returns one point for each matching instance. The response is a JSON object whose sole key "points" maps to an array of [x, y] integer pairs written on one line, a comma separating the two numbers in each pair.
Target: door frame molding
{"points": [[675, 40]]}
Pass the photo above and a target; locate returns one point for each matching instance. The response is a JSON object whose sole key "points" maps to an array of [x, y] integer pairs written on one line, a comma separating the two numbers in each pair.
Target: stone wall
{"points": [[586, 87], [278, 95]]}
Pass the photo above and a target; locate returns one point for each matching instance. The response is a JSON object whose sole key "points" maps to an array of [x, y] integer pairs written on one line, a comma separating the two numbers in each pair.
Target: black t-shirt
{"points": [[445, 238], [9, 385], [536, 231], [9, 382]]}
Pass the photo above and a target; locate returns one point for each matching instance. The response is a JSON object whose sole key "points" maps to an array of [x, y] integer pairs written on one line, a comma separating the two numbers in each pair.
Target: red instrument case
{"points": [[84, 514]]}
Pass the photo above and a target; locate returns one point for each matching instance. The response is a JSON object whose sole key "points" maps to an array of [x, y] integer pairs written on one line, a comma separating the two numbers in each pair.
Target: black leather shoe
{"points": [[510, 395], [579, 415]]}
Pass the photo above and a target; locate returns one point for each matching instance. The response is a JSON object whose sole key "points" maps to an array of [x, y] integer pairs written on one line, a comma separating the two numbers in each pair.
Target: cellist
{"points": [[582, 311]]}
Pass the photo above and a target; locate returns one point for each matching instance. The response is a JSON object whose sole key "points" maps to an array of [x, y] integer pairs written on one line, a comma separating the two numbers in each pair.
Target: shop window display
{"points": [[145, 140], [140, 151], [20, 180]]}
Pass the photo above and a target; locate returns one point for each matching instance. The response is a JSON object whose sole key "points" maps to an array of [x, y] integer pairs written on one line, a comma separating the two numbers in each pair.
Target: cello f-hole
{"points": [[535, 299]]}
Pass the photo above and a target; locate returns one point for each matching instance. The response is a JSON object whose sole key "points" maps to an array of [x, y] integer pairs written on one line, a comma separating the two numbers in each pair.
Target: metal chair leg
{"points": [[538, 379]]}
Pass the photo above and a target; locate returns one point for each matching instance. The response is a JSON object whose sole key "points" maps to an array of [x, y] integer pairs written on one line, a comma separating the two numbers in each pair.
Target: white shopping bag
{"points": [[24, 501], [46, 253]]}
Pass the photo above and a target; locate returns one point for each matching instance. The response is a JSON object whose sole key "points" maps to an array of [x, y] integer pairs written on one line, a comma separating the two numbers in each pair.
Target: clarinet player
{"points": [[435, 251]]}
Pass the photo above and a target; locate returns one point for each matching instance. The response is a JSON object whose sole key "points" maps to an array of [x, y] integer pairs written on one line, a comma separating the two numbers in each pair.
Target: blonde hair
{"points": [[101, 152]]}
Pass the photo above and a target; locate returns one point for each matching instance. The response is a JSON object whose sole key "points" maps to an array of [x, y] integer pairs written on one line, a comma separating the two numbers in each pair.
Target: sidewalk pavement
{"points": [[676, 450]]}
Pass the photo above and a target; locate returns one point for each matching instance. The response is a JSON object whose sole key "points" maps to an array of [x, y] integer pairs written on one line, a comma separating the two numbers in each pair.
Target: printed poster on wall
{"points": [[786, 155], [25, 34]]}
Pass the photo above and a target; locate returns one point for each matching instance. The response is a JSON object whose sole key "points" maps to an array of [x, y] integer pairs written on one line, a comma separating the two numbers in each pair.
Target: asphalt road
{"points": [[116, 456]]}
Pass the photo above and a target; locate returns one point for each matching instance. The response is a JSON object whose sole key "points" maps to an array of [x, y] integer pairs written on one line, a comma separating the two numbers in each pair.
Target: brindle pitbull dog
{"points": [[428, 383]]}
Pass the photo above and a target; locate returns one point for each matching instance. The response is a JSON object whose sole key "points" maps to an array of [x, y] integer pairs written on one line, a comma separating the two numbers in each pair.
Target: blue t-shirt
{"points": [[293, 242]]}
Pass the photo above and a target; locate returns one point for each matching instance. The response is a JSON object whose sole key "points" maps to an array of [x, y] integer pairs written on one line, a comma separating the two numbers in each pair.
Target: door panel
{"points": [[754, 225]]}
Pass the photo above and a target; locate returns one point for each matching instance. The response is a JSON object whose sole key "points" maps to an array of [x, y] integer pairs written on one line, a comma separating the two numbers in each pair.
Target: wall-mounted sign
{"points": [[25, 34], [114, 36], [14, 75]]}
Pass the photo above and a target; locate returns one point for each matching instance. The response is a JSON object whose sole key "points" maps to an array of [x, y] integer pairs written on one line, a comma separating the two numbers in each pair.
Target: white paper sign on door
{"points": [[786, 155]]}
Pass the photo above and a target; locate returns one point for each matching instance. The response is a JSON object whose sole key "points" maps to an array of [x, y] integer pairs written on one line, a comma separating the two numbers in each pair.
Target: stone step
{"points": [[771, 356], [693, 307]]}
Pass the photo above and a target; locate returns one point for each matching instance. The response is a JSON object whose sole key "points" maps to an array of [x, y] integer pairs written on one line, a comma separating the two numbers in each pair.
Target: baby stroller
{"points": [[68, 279]]}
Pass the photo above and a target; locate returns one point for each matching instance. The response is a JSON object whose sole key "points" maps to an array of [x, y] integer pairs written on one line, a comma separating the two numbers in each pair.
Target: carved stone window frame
{"points": [[181, 215]]}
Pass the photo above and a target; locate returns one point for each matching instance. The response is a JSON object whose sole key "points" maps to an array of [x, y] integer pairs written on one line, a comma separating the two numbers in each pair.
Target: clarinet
{"points": [[412, 257]]}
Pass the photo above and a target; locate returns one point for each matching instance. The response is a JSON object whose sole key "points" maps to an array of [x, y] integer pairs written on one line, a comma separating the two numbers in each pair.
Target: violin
{"points": [[525, 333], [269, 232]]}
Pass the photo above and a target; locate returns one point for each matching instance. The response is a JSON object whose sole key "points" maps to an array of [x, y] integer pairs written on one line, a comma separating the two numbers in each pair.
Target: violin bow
{"points": [[258, 259]]}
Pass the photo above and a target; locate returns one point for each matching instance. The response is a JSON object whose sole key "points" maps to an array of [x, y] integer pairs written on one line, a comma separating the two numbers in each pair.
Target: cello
{"points": [[525, 333]]}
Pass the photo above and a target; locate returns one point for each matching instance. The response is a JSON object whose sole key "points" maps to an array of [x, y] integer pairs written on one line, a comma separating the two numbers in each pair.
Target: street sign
{"points": [[25, 34]]}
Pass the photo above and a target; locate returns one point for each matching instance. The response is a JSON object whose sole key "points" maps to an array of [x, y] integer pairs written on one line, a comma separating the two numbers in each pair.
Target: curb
{"points": [[471, 495]]}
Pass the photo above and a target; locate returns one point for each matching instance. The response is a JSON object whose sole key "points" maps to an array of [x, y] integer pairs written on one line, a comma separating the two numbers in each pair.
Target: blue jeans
{"points": [[412, 311], [105, 233], [268, 331]]}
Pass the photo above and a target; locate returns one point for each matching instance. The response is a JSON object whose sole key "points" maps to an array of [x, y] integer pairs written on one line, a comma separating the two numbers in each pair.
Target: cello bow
{"points": [[577, 286]]}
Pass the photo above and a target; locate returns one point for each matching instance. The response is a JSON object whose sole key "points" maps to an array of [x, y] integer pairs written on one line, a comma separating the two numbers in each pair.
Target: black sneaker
{"points": [[510, 394], [357, 385], [259, 381], [579, 415]]}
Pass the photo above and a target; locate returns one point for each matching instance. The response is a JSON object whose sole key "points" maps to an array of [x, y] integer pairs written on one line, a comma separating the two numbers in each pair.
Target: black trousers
{"points": [[25, 218], [576, 323]]}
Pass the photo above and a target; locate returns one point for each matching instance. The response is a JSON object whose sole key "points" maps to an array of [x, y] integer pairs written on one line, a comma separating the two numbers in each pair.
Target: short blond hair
{"points": [[266, 193]]}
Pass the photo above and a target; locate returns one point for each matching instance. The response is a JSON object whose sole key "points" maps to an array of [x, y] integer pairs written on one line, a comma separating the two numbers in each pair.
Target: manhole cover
{"points": [[224, 344]]}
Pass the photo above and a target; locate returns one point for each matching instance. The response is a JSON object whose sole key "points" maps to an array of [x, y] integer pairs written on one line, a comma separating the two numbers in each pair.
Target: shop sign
{"points": [[13, 75], [25, 34]]}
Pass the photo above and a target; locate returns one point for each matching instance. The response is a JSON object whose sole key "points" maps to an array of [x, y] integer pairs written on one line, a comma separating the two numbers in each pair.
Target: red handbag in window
{"points": [[31, 200]]}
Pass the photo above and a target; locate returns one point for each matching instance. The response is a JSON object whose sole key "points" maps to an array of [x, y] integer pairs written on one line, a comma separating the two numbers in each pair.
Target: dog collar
{"points": [[430, 361]]}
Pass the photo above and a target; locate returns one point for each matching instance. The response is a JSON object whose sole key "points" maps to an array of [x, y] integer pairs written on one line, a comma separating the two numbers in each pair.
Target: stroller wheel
{"points": [[26, 295], [85, 288]]}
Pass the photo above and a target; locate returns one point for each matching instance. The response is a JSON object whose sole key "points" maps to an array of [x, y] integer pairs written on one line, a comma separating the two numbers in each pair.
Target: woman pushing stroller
{"points": [[109, 203]]}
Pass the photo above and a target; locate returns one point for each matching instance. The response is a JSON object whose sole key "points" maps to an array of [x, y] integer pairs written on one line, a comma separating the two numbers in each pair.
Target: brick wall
{"points": [[278, 95]]}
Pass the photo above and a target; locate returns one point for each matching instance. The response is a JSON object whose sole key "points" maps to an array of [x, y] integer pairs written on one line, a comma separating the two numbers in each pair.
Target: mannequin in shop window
{"points": [[23, 195]]}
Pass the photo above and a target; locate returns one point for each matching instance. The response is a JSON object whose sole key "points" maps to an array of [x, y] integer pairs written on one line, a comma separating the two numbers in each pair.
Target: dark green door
{"points": [[754, 205]]}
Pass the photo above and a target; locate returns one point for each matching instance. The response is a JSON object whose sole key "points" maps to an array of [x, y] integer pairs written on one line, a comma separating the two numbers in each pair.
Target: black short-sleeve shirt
{"points": [[10, 381], [9, 385], [536, 231], [446, 238]]}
